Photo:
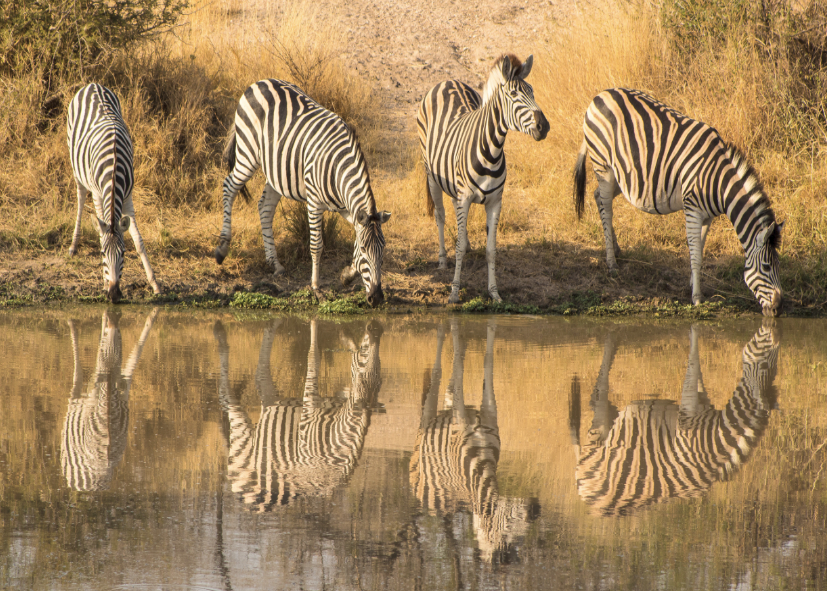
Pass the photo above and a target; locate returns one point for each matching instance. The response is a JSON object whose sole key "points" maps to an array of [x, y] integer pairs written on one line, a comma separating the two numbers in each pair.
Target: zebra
{"points": [[461, 136], [300, 447], [663, 162], [100, 149], [310, 155], [95, 430], [656, 450], [454, 463]]}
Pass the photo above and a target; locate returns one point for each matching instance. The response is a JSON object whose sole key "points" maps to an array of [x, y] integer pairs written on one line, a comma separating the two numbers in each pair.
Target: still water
{"points": [[158, 449]]}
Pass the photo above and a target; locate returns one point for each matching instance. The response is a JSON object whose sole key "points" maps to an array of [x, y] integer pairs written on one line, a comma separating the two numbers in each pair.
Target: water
{"points": [[158, 449]]}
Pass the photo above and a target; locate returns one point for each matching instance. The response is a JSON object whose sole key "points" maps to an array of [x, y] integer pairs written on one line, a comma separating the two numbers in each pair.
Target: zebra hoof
{"points": [[347, 276], [443, 262], [495, 296], [453, 298], [156, 289], [278, 270], [221, 251], [73, 251], [614, 271]]}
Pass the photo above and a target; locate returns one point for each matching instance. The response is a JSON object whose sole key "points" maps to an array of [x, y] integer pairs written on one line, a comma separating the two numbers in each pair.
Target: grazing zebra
{"points": [[97, 422], [100, 149], [300, 447], [462, 136], [663, 162], [310, 155], [454, 463], [656, 450]]}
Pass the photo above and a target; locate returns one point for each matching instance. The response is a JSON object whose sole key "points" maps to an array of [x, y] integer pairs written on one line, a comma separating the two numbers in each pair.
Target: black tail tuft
{"points": [[580, 180], [228, 159]]}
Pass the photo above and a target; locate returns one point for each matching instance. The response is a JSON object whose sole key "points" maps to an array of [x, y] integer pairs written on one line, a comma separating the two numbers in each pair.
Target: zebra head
{"points": [[519, 110], [370, 246], [761, 269], [112, 247]]}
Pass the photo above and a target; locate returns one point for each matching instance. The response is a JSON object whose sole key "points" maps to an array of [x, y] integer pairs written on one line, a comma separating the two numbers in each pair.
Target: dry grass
{"points": [[179, 95]]}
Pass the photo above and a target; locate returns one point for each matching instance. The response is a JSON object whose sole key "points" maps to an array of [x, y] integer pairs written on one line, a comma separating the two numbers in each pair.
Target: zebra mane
{"points": [[495, 78], [351, 132], [752, 184]]}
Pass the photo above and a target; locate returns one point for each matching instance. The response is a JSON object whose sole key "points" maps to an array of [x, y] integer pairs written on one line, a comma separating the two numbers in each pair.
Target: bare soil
{"points": [[404, 47]]}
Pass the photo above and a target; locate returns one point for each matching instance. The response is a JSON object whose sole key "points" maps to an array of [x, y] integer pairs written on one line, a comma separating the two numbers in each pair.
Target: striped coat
{"points": [[100, 149], [662, 161]]}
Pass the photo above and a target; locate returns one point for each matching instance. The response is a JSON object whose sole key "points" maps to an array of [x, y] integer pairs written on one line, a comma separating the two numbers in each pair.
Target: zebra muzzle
{"points": [[376, 296], [114, 293], [541, 126]]}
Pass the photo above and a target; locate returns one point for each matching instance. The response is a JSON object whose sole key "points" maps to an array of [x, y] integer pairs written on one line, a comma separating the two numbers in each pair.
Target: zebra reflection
{"points": [[97, 422], [454, 463], [656, 450], [300, 446]]}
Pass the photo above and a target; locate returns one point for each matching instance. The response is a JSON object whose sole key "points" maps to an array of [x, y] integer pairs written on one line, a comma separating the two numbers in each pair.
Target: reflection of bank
{"points": [[454, 463], [97, 421], [656, 450], [300, 446]]}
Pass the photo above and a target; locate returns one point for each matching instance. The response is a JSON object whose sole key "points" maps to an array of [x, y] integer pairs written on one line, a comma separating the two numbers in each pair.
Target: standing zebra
{"points": [[310, 155], [663, 162], [454, 463], [100, 149], [300, 447], [462, 136], [97, 422], [655, 450]]}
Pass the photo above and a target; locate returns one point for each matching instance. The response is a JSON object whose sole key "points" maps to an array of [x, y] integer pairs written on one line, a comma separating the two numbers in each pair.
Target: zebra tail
{"points": [[429, 200], [228, 159], [580, 180]]}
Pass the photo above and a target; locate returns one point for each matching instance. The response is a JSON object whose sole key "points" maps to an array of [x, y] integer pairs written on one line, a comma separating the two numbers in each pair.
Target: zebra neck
{"points": [[746, 209], [493, 124]]}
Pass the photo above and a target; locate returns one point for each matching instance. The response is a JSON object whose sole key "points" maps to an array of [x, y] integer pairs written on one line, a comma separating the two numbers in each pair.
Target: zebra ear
{"points": [[764, 235], [384, 216], [362, 217], [505, 67], [526, 68], [103, 227], [124, 223]]}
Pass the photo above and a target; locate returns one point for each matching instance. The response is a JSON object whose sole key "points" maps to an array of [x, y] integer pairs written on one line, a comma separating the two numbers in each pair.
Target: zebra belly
{"points": [[661, 204]]}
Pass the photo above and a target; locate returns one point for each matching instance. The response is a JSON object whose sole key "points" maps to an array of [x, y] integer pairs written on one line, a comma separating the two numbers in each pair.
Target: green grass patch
{"points": [[479, 305], [354, 304]]}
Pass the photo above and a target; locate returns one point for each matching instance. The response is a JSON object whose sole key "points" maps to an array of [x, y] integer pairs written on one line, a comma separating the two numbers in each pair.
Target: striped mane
{"points": [[496, 79]]}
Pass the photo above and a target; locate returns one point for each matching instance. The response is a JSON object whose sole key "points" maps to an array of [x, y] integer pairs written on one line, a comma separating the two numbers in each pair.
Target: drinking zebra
{"points": [[655, 450], [300, 447], [97, 422], [309, 155], [454, 463], [100, 149], [461, 136], [663, 162]]}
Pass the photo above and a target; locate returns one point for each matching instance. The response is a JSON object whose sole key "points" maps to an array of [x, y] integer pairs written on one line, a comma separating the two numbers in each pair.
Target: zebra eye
{"points": [[514, 93]]}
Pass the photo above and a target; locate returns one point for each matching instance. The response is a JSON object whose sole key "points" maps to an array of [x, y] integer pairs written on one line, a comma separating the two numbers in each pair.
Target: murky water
{"points": [[163, 450]]}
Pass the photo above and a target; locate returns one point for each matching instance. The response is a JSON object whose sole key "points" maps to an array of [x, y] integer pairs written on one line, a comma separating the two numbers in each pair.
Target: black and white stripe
{"points": [[656, 450], [100, 150], [454, 464], [97, 422], [310, 155], [461, 136], [663, 162], [300, 447]]}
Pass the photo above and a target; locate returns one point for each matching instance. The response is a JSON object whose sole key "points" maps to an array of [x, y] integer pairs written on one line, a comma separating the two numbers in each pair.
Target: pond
{"points": [[163, 449]]}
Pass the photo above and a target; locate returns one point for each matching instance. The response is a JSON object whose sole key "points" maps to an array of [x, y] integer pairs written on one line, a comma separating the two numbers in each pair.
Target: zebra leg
{"points": [[695, 237], [462, 243], [316, 246], [488, 406], [694, 399], [82, 193], [267, 392], [492, 214], [604, 412], [467, 241], [435, 191], [266, 211], [455, 387], [129, 210], [232, 185], [603, 197], [350, 272]]}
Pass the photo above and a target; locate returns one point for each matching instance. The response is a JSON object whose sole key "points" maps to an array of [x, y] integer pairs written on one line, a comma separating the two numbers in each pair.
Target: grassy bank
{"points": [[756, 71]]}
